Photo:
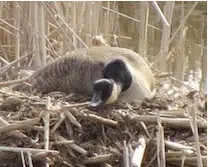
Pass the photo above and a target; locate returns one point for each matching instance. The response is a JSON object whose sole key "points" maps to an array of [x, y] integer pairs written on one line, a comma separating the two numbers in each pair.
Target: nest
{"points": [[59, 130]]}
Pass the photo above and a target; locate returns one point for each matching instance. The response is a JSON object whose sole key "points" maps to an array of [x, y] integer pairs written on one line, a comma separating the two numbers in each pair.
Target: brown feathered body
{"points": [[77, 71]]}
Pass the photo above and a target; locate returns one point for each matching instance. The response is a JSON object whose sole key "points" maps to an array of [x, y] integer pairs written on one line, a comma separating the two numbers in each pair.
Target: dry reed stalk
{"points": [[139, 153], [152, 160], [41, 34], [170, 122], [160, 143], [44, 155], [177, 146], [9, 83], [80, 18], [164, 20], [8, 31], [47, 125], [131, 18], [144, 17], [160, 55], [171, 113], [10, 65], [13, 27], [72, 119], [23, 159], [203, 83], [16, 133], [143, 125], [189, 161], [126, 155], [1, 58], [98, 159], [106, 19], [168, 12], [29, 158], [17, 39], [58, 123], [95, 17], [88, 21], [67, 26], [52, 48], [34, 18], [19, 149], [96, 118], [64, 142], [73, 146], [180, 62], [74, 13], [19, 125], [52, 14], [196, 137]]}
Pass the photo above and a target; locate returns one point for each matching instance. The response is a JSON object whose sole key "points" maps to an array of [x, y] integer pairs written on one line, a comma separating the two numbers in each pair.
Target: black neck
{"points": [[118, 71]]}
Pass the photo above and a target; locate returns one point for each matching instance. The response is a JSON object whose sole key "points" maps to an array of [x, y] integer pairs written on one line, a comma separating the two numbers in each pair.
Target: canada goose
{"points": [[107, 73]]}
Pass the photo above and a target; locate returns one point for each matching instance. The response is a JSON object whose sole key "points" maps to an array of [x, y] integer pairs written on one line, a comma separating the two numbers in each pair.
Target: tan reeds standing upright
{"points": [[144, 17], [164, 48], [203, 83], [106, 20], [95, 18], [17, 33], [180, 62], [81, 6], [74, 13], [41, 34], [34, 32]]}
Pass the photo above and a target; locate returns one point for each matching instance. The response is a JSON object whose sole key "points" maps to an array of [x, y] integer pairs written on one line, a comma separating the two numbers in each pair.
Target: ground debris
{"points": [[78, 136]]}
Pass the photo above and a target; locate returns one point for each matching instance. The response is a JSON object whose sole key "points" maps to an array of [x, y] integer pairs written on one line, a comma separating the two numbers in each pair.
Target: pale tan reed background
{"points": [[50, 29]]}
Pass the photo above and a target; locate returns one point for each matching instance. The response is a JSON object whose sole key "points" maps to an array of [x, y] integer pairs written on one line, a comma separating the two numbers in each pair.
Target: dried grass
{"points": [[59, 129]]}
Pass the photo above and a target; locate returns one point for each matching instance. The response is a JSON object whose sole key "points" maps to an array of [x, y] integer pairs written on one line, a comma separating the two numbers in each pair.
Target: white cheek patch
{"points": [[114, 94]]}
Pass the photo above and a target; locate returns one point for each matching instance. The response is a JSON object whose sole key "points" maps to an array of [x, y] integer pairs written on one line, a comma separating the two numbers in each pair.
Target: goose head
{"points": [[105, 91], [117, 78]]}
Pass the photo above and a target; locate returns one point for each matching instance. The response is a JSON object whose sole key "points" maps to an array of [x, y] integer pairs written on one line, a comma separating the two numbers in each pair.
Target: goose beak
{"points": [[96, 101]]}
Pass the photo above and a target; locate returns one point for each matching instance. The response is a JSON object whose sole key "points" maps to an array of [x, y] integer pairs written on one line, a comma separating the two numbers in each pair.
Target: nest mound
{"points": [[59, 129]]}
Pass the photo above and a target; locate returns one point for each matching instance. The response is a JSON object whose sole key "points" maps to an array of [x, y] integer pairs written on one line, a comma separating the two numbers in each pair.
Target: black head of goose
{"points": [[106, 73]]}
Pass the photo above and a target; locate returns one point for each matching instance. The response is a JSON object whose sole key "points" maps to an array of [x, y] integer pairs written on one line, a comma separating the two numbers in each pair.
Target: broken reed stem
{"points": [[23, 159], [180, 147], [17, 39], [47, 126], [29, 158], [100, 119], [15, 133], [98, 159], [19, 125], [196, 137], [171, 122], [41, 37], [73, 146], [126, 155], [72, 119], [164, 20], [58, 123], [25, 150], [139, 152], [160, 142], [12, 82]]}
